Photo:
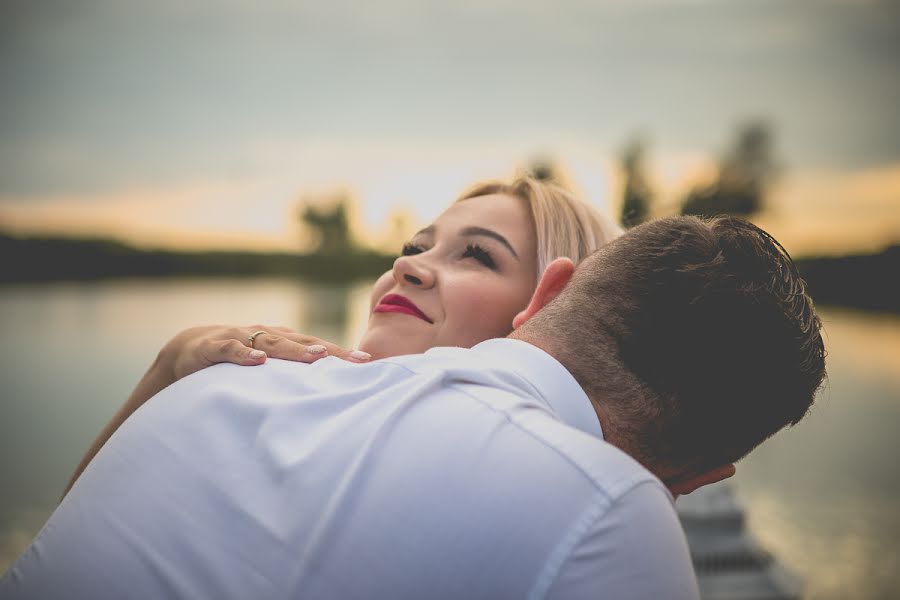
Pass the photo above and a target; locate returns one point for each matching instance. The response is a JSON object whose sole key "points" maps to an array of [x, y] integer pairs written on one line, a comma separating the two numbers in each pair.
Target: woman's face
{"points": [[459, 281]]}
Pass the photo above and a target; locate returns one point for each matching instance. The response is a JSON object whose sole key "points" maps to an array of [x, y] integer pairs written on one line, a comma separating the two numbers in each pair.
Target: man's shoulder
{"points": [[609, 470], [327, 374], [445, 382], [454, 365], [442, 358], [534, 408]]}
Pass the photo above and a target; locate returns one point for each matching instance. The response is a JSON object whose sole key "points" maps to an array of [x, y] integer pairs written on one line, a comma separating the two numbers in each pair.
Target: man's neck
{"points": [[523, 334], [611, 433]]}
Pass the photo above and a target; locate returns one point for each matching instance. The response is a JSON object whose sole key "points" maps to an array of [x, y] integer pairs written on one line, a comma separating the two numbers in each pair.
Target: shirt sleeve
{"points": [[633, 551]]}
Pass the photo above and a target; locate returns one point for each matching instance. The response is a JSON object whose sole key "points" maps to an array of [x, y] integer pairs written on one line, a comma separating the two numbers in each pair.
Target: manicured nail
{"points": [[257, 354], [316, 349], [360, 355]]}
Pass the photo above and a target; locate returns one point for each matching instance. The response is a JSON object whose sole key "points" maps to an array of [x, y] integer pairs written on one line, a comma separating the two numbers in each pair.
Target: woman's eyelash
{"points": [[410, 249], [472, 251], [481, 255]]}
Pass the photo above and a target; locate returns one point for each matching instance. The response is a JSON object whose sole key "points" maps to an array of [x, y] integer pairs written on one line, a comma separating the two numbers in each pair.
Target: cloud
{"points": [[114, 95]]}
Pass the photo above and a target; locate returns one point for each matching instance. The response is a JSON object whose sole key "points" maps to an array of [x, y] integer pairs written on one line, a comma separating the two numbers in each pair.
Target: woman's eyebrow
{"points": [[474, 230], [491, 234]]}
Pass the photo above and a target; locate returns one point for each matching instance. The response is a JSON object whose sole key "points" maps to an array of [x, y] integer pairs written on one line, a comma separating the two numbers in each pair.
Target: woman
{"points": [[458, 282]]}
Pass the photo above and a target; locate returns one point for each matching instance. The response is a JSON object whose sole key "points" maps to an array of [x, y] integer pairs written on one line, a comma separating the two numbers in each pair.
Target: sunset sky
{"points": [[203, 123]]}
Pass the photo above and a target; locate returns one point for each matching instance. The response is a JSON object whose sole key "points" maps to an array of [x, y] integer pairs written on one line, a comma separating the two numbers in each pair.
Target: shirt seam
{"points": [[615, 488], [521, 376], [537, 389], [612, 489], [589, 517], [564, 552]]}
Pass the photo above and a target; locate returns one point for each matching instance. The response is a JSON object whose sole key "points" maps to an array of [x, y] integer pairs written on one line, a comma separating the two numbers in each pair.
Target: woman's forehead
{"points": [[496, 211]]}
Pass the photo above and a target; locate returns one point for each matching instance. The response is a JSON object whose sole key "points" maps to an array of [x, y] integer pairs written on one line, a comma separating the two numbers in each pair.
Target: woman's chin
{"points": [[382, 343]]}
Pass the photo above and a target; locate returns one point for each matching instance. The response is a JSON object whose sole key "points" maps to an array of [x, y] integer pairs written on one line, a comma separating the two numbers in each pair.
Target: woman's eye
{"points": [[481, 255], [410, 249]]}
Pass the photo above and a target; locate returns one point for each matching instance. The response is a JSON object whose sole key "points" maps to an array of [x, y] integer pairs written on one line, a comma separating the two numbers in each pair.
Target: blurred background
{"points": [[171, 164]]}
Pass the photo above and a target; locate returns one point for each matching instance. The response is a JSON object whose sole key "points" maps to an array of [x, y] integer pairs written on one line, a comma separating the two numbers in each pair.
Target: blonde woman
{"points": [[459, 281]]}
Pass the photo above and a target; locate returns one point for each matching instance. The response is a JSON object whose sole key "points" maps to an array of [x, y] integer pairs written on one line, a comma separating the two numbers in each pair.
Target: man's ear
{"points": [[693, 482], [553, 280]]}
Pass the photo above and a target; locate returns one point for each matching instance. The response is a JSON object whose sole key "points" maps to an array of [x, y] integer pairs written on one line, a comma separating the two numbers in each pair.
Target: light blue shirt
{"points": [[459, 473]]}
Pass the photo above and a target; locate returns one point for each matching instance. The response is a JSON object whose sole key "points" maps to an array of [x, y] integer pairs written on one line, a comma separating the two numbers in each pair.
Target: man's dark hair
{"points": [[697, 339]]}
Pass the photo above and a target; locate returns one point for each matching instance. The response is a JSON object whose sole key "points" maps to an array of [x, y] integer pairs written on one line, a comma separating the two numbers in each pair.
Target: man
{"points": [[528, 467]]}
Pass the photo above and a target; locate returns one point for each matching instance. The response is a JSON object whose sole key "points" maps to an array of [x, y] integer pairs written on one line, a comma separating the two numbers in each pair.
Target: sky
{"points": [[203, 123]]}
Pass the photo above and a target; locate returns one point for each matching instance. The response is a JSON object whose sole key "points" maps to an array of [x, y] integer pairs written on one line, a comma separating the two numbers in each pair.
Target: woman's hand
{"points": [[199, 347]]}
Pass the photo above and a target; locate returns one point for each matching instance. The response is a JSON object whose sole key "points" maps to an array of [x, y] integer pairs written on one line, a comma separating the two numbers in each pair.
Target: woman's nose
{"points": [[412, 270]]}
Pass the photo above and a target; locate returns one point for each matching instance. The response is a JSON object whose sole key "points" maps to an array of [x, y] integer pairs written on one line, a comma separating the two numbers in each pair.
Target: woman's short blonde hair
{"points": [[565, 225]]}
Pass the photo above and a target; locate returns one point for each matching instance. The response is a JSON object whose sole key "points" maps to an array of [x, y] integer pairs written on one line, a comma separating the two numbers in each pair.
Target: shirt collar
{"points": [[556, 386]]}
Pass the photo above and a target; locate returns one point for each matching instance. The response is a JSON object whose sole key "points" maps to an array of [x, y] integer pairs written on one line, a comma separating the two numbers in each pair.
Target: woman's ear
{"points": [[553, 280]]}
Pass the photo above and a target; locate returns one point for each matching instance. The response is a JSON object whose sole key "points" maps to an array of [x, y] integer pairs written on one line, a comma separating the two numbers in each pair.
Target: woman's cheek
{"points": [[381, 287], [494, 320]]}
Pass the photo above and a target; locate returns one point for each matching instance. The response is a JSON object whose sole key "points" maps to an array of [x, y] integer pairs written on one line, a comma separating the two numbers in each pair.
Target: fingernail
{"points": [[360, 355], [257, 354], [316, 349]]}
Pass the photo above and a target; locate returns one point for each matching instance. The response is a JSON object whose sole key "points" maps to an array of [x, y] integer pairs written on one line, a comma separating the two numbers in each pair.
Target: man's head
{"points": [[696, 340]]}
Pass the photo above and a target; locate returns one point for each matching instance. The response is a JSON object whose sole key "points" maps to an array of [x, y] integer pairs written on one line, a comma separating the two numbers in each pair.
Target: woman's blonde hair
{"points": [[565, 225]]}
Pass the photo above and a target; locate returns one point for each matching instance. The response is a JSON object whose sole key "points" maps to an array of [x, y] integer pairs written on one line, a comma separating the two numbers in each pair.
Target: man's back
{"points": [[460, 473]]}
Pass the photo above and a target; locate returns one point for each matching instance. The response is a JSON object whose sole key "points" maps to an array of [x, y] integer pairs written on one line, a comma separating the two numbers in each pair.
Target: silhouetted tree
{"points": [[544, 170], [745, 174], [547, 170], [637, 195], [332, 225], [400, 228]]}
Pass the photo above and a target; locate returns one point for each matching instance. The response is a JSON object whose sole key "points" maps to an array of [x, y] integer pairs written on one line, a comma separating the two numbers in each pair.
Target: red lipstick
{"points": [[399, 304]]}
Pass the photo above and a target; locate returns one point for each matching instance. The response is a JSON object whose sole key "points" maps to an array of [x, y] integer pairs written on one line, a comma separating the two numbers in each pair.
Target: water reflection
{"points": [[337, 313], [865, 343], [822, 496], [73, 351]]}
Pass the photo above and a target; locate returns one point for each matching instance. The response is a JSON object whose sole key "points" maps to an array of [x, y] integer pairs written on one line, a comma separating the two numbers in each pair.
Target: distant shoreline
{"points": [[27, 259], [869, 281], [860, 281]]}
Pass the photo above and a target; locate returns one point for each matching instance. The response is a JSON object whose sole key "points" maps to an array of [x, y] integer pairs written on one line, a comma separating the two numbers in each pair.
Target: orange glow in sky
{"points": [[810, 212]]}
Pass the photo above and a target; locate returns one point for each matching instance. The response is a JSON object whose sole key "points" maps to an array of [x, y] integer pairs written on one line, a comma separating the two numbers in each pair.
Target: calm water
{"points": [[822, 496]]}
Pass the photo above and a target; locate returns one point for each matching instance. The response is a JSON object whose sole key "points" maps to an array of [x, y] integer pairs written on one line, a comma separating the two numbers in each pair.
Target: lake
{"points": [[823, 496]]}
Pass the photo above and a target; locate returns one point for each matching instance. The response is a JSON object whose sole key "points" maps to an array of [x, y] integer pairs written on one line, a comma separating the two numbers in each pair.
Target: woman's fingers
{"points": [[332, 349], [304, 348], [280, 346], [270, 341], [233, 351], [219, 344]]}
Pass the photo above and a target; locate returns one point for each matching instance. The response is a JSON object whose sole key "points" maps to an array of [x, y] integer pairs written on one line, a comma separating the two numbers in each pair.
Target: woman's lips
{"points": [[399, 304]]}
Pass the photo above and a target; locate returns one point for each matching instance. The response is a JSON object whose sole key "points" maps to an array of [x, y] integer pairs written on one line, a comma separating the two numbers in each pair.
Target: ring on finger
{"points": [[254, 335]]}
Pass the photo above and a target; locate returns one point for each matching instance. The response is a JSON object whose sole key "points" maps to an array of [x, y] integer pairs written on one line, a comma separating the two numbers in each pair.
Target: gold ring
{"points": [[253, 336]]}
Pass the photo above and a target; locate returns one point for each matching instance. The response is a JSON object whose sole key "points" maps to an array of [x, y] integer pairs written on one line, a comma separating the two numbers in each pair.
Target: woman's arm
{"points": [[201, 347], [153, 381]]}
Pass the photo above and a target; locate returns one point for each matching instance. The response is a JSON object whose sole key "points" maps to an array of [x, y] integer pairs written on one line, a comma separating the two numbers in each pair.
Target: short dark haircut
{"points": [[697, 338]]}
